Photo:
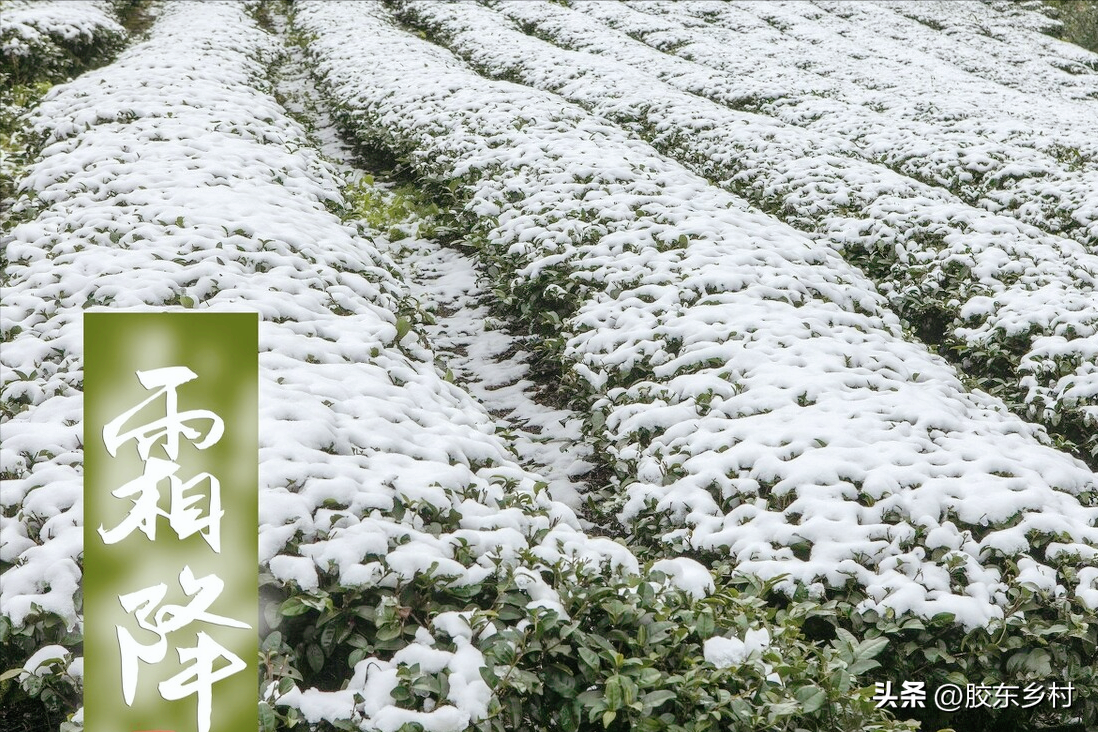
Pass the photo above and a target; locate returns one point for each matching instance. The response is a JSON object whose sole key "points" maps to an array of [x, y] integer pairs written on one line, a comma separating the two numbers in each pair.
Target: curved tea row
{"points": [[750, 389], [1018, 306], [995, 147]]}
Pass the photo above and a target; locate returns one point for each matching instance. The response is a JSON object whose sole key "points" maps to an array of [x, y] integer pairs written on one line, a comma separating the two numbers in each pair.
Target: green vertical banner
{"points": [[171, 459]]}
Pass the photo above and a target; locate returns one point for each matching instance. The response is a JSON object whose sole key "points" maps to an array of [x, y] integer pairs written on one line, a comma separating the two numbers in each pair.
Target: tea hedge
{"points": [[987, 143]]}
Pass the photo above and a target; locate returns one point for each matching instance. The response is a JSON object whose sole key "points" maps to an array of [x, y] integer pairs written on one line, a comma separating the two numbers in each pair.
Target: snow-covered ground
{"points": [[991, 280], [922, 116], [749, 384]]}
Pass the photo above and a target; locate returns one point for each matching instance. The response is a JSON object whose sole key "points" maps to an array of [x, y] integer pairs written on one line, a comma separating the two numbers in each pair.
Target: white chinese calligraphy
{"points": [[198, 678], [194, 507], [184, 518], [171, 426]]}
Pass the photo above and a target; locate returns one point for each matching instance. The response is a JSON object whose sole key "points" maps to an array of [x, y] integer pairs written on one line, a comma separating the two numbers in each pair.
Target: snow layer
{"points": [[1000, 41], [727, 652], [1006, 290], [1004, 149], [687, 575], [751, 388], [374, 680], [46, 33]]}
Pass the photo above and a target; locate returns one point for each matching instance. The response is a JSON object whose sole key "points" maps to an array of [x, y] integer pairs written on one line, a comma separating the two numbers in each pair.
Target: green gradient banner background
{"points": [[222, 349]]}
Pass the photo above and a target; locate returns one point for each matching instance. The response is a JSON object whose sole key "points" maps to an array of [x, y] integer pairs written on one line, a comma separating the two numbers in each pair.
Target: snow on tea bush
{"points": [[989, 144], [1017, 305], [1010, 43], [42, 43], [738, 373], [746, 386], [405, 553], [55, 38]]}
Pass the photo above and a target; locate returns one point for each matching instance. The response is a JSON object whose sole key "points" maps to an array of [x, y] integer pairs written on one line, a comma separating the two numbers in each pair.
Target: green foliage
{"points": [[629, 655], [400, 211], [46, 697], [15, 100], [1040, 640], [626, 654], [1079, 19]]}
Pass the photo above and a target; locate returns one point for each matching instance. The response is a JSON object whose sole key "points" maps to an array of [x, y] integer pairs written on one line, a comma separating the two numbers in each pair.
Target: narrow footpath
{"points": [[477, 351]]}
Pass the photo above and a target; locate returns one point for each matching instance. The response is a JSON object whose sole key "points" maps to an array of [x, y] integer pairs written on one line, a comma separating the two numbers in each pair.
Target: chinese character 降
{"points": [[198, 678]]}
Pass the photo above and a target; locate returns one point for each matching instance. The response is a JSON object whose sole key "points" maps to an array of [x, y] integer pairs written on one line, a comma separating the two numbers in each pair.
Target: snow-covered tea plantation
{"points": [[634, 365]]}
